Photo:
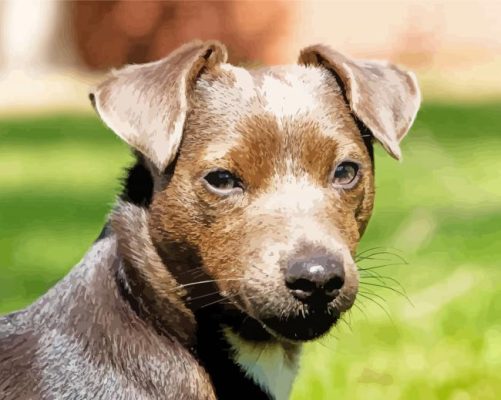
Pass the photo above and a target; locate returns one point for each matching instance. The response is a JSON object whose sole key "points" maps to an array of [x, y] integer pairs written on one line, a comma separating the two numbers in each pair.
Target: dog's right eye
{"points": [[223, 182]]}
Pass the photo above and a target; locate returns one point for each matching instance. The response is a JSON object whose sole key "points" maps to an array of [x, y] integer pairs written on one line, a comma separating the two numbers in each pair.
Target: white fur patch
{"points": [[266, 365], [292, 195], [218, 150], [244, 80], [288, 97], [284, 91]]}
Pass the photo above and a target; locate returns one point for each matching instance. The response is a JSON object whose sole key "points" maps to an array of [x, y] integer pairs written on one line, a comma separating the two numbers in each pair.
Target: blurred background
{"points": [[427, 323]]}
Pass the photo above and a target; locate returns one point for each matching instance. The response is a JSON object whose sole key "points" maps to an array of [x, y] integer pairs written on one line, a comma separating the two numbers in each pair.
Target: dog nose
{"points": [[318, 278]]}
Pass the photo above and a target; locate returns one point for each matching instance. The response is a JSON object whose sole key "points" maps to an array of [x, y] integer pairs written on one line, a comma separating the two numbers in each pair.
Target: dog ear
{"points": [[146, 104], [385, 98]]}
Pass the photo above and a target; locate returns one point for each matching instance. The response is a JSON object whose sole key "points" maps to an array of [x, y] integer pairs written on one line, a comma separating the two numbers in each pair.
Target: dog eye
{"points": [[222, 182], [346, 174]]}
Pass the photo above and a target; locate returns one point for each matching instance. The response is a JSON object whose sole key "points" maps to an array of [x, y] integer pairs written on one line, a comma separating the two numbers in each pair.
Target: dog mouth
{"points": [[301, 323], [310, 325], [290, 319]]}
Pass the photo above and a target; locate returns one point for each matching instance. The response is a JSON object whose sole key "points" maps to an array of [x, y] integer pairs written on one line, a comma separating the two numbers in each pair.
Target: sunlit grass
{"points": [[441, 209]]}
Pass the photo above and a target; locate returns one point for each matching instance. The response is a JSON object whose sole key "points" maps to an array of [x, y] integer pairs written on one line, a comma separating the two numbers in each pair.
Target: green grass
{"points": [[441, 208]]}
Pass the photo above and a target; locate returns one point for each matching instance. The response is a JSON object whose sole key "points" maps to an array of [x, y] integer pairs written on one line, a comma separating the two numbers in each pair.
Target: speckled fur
{"points": [[83, 341]]}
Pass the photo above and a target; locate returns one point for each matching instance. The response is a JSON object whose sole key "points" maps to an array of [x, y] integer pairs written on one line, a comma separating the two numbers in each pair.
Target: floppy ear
{"points": [[146, 104], [385, 98]]}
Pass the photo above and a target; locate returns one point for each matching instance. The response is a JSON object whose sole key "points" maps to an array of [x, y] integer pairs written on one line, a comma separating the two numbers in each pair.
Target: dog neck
{"points": [[242, 358], [235, 350], [144, 280]]}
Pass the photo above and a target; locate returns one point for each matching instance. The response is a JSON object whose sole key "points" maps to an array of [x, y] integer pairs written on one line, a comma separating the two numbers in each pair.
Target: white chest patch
{"points": [[266, 365]]}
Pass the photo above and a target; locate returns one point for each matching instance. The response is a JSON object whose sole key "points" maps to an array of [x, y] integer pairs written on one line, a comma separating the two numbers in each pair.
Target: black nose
{"points": [[316, 278]]}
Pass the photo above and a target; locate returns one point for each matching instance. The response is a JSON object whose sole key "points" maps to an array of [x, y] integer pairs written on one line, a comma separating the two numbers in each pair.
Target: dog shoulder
{"points": [[82, 333], [17, 352]]}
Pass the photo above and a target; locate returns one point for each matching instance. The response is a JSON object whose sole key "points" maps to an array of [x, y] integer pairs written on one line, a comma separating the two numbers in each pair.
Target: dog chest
{"points": [[268, 365]]}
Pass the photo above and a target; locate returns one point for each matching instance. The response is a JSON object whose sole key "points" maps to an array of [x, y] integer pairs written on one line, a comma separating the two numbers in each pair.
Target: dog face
{"points": [[279, 184], [272, 185]]}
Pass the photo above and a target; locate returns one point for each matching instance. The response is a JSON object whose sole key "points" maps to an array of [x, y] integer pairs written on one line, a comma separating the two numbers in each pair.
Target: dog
{"points": [[233, 240]]}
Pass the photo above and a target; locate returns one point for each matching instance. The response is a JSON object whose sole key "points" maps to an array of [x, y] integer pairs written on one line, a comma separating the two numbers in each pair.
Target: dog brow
{"points": [[218, 150]]}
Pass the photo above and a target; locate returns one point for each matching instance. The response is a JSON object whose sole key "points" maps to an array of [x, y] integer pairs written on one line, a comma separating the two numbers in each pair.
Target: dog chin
{"points": [[297, 328]]}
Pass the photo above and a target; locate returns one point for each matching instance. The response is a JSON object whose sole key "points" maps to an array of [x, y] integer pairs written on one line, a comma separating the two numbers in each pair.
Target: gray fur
{"points": [[76, 342]]}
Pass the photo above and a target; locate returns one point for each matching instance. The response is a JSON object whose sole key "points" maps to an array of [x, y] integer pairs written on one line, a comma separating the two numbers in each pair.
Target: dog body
{"points": [[234, 238]]}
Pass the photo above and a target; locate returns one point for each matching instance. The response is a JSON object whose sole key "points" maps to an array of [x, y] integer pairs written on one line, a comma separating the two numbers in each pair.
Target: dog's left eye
{"points": [[223, 182], [346, 174]]}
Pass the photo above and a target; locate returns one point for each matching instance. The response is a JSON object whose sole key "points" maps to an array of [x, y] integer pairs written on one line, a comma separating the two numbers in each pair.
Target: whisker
{"points": [[374, 275], [226, 298], [221, 300], [348, 314], [378, 304], [404, 295], [321, 343], [380, 250], [359, 308], [360, 259], [204, 282], [195, 270], [379, 266], [263, 271], [331, 333], [373, 248], [346, 323], [368, 292], [192, 299], [383, 279], [371, 256]]}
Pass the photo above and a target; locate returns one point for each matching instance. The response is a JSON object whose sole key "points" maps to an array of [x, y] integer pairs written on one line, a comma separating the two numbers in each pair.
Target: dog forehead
{"points": [[283, 91], [283, 99]]}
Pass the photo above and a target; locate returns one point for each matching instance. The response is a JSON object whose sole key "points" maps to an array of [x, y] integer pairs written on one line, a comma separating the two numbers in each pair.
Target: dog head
{"points": [[263, 178]]}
